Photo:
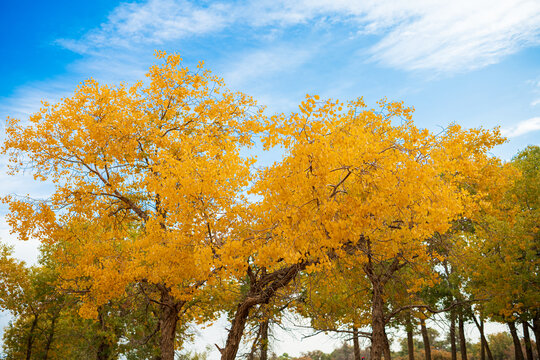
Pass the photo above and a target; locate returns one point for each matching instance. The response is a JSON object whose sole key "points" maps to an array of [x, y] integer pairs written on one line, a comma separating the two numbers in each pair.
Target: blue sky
{"points": [[476, 63]]}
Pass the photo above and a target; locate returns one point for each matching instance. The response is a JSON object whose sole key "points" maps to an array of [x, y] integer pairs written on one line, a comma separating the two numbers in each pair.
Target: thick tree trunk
{"points": [[462, 340], [517, 344], [30, 340], [356, 344], [50, 337], [453, 346], [377, 321], [410, 339], [527, 338], [536, 330], [484, 349], [264, 339], [425, 337], [167, 324]]}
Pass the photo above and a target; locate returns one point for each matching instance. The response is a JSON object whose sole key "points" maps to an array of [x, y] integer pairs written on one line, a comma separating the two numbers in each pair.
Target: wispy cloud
{"points": [[153, 22], [413, 35], [522, 128]]}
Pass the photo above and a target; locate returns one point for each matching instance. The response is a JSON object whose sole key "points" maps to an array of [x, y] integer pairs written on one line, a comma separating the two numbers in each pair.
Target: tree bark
{"points": [[483, 341], [50, 336], [517, 344], [425, 337], [386, 350], [462, 340], [30, 340], [377, 321], [536, 330], [264, 339], [260, 292], [356, 344], [410, 339], [167, 323], [527, 339], [453, 346], [104, 348]]}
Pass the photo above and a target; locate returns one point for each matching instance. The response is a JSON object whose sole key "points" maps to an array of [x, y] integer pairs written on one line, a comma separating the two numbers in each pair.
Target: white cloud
{"points": [[153, 22], [265, 62], [417, 34], [522, 128]]}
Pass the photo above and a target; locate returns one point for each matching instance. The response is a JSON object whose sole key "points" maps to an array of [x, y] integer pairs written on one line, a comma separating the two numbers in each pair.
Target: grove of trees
{"points": [[161, 218]]}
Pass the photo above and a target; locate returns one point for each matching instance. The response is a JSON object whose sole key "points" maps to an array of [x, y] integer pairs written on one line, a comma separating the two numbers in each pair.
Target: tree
{"points": [[367, 182], [151, 173]]}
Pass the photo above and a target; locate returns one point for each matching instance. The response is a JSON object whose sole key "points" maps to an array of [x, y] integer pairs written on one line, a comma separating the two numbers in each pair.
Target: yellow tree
{"points": [[368, 182], [501, 257], [148, 181]]}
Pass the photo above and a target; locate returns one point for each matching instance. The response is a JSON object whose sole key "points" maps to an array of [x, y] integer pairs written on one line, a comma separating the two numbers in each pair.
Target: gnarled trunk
{"points": [[517, 344], [167, 323], [425, 337], [260, 292]]}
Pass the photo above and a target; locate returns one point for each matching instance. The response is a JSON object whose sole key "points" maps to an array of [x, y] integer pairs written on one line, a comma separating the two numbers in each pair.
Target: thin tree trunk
{"points": [[410, 339], [167, 323], [425, 337], [527, 338], [482, 350], [356, 344], [50, 337], [264, 339], [462, 340], [453, 346], [517, 344], [484, 343], [30, 340], [536, 330], [386, 350]]}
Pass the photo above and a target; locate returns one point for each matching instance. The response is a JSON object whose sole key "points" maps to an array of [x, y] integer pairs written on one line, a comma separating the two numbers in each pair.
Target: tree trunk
{"points": [[462, 341], [356, 344], [167, 323], [453, 347], [386, 350], [260, 292], [425, 337], [517, 344], [264, 339], [50, 337], [410, 339], [482, 350], [377, 321], [527, 338], [483, 341], [536, 330], [30, 340]]}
